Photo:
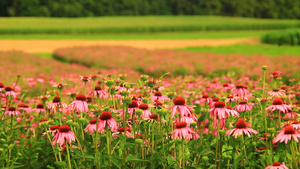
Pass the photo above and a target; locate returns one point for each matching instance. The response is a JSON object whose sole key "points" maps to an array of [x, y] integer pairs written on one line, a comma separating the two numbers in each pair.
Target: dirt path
{"points": [[48, 46]]}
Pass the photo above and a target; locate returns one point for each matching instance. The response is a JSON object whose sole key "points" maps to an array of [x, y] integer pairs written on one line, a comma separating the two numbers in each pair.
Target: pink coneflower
{"points": [[53, 130], [85, 78], [205, 99], [182, 131], [212, 103], [64, 132], [219, 111], [10, 92], [287, 134], [230, 98], [240, 91], [188, 119], [146, 112], [275, 74], [241, 128], [278, 104], [243, 106], [25, 108], [277, 165], [40, 108], [181, 108], [159, 96], [132, 107], [91, 128], [12, 111], [1, 87], [153, 118], [296, 124], [99, 92], [231, 111], [56, 103], [60, 85], [291, 115], [121, 131], [79, 105], [226, 87], [276, 93], [106, 120]]}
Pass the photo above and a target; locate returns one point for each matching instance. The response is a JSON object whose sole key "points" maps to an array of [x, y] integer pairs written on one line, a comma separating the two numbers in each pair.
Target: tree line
{"points": [[87, 8]]}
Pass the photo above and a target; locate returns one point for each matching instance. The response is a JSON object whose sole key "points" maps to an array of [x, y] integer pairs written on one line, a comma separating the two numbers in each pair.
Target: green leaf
{"points": [[116, 161], [131, 157]]}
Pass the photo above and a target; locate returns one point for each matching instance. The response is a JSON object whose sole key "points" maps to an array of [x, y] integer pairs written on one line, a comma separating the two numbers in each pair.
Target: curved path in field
{"points": [[48, 46]]}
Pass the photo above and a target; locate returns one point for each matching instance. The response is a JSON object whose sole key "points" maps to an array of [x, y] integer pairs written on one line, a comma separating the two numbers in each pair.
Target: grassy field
{"points": [[161, 35], [30, 25], [271, 50]]}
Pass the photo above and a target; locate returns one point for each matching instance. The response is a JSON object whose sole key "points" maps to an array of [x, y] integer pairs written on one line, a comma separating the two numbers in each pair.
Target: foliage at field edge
{"points": [[158, 62], [284, 37], [81, 8]]}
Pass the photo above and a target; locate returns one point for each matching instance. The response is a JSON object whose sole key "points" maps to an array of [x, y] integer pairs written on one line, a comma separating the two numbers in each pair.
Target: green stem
{"points": [[51, 145], [96, 141], [108, 145], [68, 152]]}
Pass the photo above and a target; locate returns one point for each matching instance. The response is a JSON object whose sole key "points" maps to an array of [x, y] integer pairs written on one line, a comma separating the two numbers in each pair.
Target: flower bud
{"points": [[205, 158], [139, 141], [109, 83], [144, 78], [139, 112], [193, 124], [264, 67]]}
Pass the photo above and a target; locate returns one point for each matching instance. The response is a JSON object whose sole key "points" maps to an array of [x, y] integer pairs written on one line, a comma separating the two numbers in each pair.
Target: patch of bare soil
{"points": [[48, 46]]}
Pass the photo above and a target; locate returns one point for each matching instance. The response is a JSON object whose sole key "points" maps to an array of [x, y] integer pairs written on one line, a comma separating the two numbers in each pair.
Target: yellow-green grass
{"points": [[30, 25], [154, 35], [270, 50]]}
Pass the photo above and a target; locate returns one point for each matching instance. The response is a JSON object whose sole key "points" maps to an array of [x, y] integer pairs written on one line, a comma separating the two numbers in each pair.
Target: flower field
{"points": [[158, 62], [227, 111]]}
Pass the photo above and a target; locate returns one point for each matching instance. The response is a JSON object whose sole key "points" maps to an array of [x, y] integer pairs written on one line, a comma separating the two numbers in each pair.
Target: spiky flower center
{"points": [[1, 85], [215, 99], [24, 106], [143, 107], [239, 86], [153, 116], [179, 101], [133, 104], [289, 130], [295, 122], [219, 104], [225, 85], [158, 94], [93, 121], [55, 127], [181, 125], [122, 129], [105, 115], [98, 87], [8, 89], [276, 164], [40, 106], [205, 96], [56, 99], [81, 97], [229, 107], [230, 96], [64, 128], [275, 90], [11, 109], [241, 124], [243, 102], [277, 101]]}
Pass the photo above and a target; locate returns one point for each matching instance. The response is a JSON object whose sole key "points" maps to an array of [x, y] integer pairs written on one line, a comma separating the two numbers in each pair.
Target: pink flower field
{"points": [[112, 107]]}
